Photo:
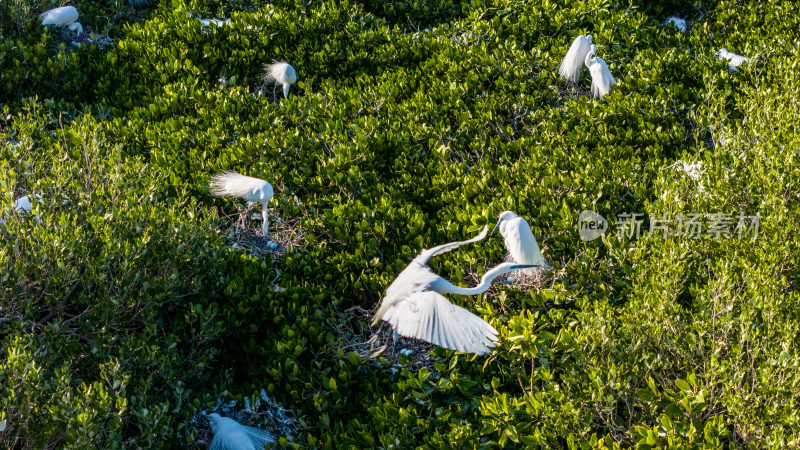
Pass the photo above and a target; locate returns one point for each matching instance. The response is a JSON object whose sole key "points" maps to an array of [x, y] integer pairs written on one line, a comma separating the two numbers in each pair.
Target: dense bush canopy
{"points": [[124, 311]]}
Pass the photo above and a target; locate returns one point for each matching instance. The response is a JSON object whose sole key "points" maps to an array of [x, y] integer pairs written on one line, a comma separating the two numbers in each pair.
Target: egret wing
{"points": [[429, 316], [425, 255]]}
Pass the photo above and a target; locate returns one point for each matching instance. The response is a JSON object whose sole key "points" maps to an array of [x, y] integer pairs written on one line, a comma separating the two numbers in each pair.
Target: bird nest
{"points": [[258, 411], [63, 35], [378, 345], [243, 232]]}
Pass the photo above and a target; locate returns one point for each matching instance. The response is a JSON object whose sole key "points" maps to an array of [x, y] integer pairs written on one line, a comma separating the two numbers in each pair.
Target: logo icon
{"points": [[591, 225]]}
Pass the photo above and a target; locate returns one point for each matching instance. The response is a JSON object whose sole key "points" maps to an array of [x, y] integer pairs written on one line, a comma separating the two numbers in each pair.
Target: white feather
{"points": [[231, 435], [248, 188], [734, 60], [679, 23], [65, 16], [571, 66], [602, 80], [430, 317], [237, 185], [281, 73], [520, 242]]}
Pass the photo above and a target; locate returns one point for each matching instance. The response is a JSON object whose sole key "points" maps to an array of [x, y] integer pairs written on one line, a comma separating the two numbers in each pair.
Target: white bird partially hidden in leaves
{"points": [[572, 64], [23, 204], [415, 307], [281, 73], [252, 190], [520, 243], [734, 60], [679, 23], [231, 435], [602, 80], [65, 16]]}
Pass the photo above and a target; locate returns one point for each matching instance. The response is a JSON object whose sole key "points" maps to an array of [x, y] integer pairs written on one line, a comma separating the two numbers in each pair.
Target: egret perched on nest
{"points": [[602, 80], [252, 190], [65, 16], [734, 60], [679, 23], [415, 307], [520, 243], [573, 62], [281, 73], [231, 435]]}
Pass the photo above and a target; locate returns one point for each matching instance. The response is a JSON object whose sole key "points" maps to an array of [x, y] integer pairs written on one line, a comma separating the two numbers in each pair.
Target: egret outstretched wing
{"points": [[444, 248], [429, 316]]}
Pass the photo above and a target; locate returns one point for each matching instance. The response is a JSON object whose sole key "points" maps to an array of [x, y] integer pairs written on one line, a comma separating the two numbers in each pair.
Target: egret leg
{"points": [[265, 225], [395, 337], [274, 88], [286, 90]]}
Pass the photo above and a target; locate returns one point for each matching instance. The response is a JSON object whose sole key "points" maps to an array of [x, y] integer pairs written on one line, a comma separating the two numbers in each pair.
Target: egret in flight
{"points": [[281, 73], [414, 304], [571, 66], [521, 245], [252, 190], [231, 435], [734, 60], [65, 16], [679, 23], [602, 80]]}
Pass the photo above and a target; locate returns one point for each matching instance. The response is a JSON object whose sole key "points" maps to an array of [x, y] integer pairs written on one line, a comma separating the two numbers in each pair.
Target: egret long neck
{"points": [[443, 286]]}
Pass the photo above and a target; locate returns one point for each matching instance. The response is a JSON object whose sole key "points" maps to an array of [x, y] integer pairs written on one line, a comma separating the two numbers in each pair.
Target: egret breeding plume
{"points": [[65, 16], [252, 190], [734, 60], [520, 243], [231, 435], [602, 80], [679, 23], [571, 66], [415, 307], [281, 73]]}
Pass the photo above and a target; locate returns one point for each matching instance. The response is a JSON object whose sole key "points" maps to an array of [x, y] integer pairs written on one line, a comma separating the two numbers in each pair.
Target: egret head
{"points": [[213, 420], [505, 215], [722, 52], [77, 28], [589, 38]]}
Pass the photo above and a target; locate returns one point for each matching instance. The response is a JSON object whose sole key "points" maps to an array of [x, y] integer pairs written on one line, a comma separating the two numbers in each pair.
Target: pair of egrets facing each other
{"points": [[415, 306]]}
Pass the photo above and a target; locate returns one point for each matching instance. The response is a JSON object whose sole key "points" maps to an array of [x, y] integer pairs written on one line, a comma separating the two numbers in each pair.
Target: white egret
{"points": [[571, 66], [23, 204], [231, 435], [679, 23], [252, 190], [281, 73], [602, 80], [521, 245], [65, 16], [734, 60], [415, 307]]}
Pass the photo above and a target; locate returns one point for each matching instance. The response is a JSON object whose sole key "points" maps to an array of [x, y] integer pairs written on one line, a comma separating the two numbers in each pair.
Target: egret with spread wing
{"points": [[415, 307], [231, 435], [519, 240]]}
